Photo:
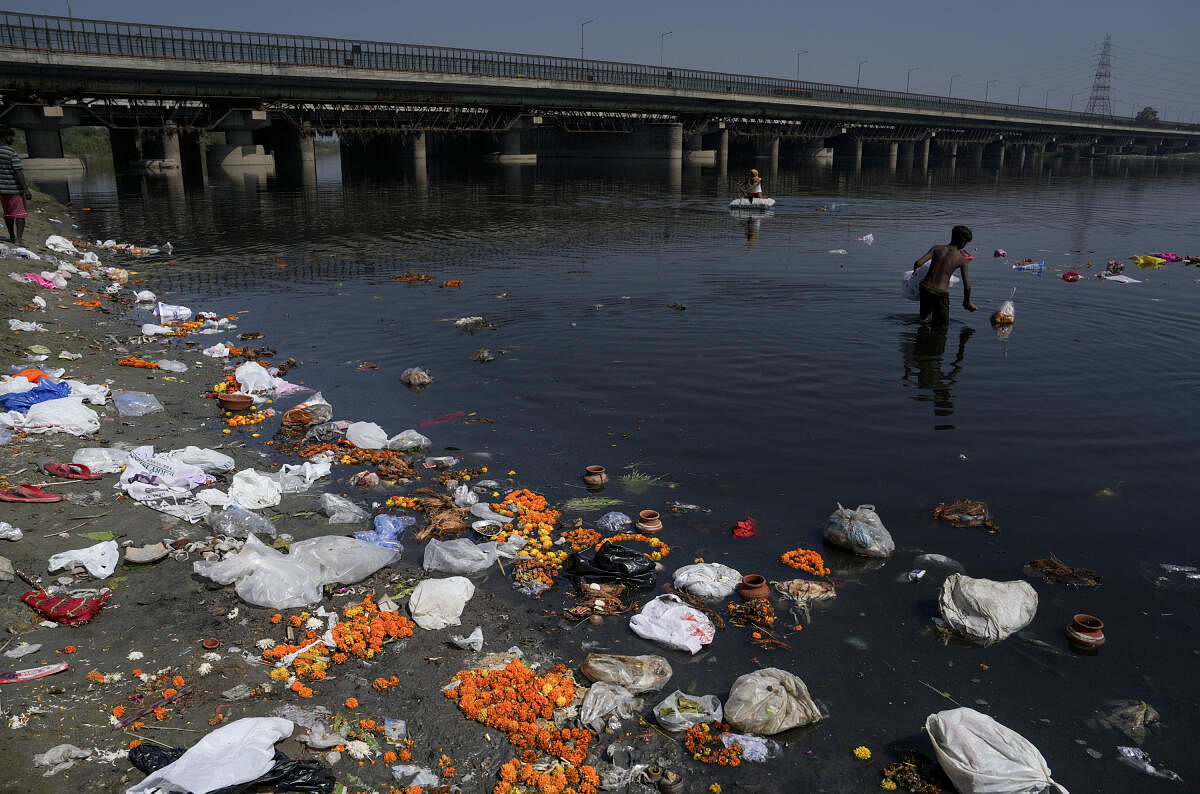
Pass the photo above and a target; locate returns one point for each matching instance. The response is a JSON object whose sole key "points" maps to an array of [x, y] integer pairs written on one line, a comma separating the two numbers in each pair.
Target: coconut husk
{"points": [[1055, 571], [395, 468], [966, 513], [443, 524]]}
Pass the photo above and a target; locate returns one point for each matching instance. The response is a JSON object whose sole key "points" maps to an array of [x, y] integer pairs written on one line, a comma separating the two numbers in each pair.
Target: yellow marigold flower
{"points": [[280, 674], [887, 784], [862, 753], [715, 788]]}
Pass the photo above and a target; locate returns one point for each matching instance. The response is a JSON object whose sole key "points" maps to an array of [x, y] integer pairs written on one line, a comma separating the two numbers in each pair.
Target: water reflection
{"points": [[924, 351]]}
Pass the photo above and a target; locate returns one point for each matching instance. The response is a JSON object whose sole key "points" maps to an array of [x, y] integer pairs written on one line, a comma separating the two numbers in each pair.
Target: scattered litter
{"points": [[23, 325], [966, 513], [438, 603], [979, 754], [1120, 278], [1055, 571], [635, 673], [59, 758], [342, 511], [366, 435], [459, 556], [136, 403], [473, 642], [770, 701], [9, 532], [838, 251], [99, 560], [22, 649], [614, 522], [68, 610], [1130, 717], [867, 238], [707, 580], [860, 531], [1140, 760], [986, 611], [679, 711], [387, 531], [671, 622], [605, 705]]}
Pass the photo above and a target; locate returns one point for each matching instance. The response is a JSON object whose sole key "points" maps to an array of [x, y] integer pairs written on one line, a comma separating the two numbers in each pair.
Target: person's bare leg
{"points": [[20, 231], [12, 235]]}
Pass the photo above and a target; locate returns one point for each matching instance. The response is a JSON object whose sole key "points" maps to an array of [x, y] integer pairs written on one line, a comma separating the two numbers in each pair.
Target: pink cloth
{"points": [[40, 280], [14, 205]]}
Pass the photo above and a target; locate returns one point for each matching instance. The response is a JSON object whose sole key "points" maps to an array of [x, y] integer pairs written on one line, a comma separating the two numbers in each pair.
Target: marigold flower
{"points": [[887, 784], [862, 753], [178, 681], [137, 671], [118, 711], [351, 703], [135, 743], [276, 618], [160, 713], [70, 649], [170, 693]]}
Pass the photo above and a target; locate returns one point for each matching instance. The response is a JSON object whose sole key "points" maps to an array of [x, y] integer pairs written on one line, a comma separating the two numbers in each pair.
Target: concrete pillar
{"points": [[858, 147], [977, 155], [925, 154], [694, 151], [510, 144], [767, 149], [44, 143], [893, 154], [240, 149], [417, 146], [953, 153], [307, 140], [723, 145], [1000, 156], [42, 125], [1021, 151]]}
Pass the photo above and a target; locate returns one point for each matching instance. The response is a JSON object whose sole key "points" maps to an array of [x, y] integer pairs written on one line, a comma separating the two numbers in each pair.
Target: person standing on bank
{"points": [[935, 287], [13, 191]]}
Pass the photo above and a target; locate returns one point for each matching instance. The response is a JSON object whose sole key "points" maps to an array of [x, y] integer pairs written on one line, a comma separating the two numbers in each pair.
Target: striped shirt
{"points": [[10, 163]]}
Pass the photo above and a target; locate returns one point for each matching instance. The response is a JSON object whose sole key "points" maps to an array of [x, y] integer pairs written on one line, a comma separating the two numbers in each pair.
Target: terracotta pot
{"points": [[235, 402], [211, 644], [1086, 632], [595, 476], [753, 585], [649, 522]]}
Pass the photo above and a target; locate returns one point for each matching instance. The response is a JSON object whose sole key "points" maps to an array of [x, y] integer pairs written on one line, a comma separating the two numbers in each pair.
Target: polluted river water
{"points": [[768, 366]]}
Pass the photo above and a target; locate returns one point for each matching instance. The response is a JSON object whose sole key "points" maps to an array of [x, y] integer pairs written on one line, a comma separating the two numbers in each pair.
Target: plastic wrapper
{"points": [[101, 460], [707, 580], [238, 522], [981, 756], [680, 711], [303, 776], [100, 560], [473, 642], [409, 439], [166, 313], [144, 466], [136, 403], [603, 701], [366, 435], [671, 622], [617, 563], [254, 490], [614, 521], [770, 701], [208, 460], [341, 511], [1005, 315], [438, 603], [171, 365], [313, 411], [859, 531], [65, 415], [253, 377], [985, 611], [339, 560], [910, 282], [636, 673], [464, 496], [264, 577], [459, 556], [387, 531]]}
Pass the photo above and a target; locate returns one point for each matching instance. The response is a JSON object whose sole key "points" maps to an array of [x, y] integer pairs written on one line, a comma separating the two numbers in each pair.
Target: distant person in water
{"points": [[13, 191], [754, 186], [935, 287]]}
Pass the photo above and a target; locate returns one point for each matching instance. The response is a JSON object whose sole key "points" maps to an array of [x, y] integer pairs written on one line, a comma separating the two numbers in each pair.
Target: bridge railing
{"points": [[97, 37]]}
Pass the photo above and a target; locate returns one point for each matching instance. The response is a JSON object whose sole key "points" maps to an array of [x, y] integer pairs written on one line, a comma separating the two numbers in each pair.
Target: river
{"points": [[790, 375]]}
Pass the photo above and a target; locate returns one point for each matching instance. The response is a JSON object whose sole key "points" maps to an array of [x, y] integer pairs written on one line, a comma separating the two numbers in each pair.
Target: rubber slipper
{"points": [[71, 471], [28, 493]]}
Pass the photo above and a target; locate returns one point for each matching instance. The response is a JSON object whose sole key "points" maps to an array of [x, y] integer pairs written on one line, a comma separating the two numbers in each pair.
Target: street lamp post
{"points": [[1072, 105], [802, 52], [950, 91], [987, 89], [662, 39], [582, 25], [858, 80], [908, 79], [1046, 104], [1020, 88]]}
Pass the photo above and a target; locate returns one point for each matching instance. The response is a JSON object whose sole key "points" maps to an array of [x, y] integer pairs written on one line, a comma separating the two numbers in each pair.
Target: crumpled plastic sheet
{"points": [[471, 642], [342, 511], [1140, 760], [100, 560]]}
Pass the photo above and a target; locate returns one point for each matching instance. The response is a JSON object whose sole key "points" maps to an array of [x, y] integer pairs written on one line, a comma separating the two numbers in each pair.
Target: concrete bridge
{"points": [[156, 88]]}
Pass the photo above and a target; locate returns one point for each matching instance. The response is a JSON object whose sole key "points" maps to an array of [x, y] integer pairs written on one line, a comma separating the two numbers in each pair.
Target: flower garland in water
{"points": [[698, 738], [521, 777], [534, 520], [805, 560], [658, 549]]}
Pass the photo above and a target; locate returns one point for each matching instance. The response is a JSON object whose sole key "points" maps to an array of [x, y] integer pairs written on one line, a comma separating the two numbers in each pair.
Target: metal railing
{"points": [[97, 37]]}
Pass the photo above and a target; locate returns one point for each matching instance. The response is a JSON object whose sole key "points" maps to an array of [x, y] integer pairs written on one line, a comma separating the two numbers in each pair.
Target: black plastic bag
{"points": [[616, 563], [304, 776]]}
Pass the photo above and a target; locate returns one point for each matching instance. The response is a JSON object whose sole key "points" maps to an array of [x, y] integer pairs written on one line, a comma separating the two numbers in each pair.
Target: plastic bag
{"points": [[910, 285], [859, 531], [287, 774], [473, 642], [986, 611], [707, 580], [66, 415], [297, 478], [9, 532], [101, 460], [409, 775], [143, 466], [415, 377], [313, 411], [409, 439], [754, 748], [770, 701], [459, 556], [366, 435], [166, 313], [341, 511], [464, 496], [100, 560], [208, 460], [669, 621], [170, 365], [604, 699], [219, 350], [438, 603], [254, 490], [635, 673], [234, 753], [1005, 315], [153, 329], [981, 756], [237, 522], [387, 531], [680, 711], [252, 377], [614, 522], [136, 403], [339, 560], [264, 577]]}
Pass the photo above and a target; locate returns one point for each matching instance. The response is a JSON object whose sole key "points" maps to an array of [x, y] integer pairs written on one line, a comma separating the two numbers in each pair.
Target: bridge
{"points": [[156, 88]]}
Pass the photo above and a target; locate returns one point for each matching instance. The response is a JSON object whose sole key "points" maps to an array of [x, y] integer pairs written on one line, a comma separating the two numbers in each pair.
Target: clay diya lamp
{"points": [[753, 585]]}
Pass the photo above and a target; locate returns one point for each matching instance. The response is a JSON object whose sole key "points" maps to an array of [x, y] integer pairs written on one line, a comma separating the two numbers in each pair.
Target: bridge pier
{"points": [[893, 155], [43, 125], [694, 151], [240, 149], [649, 142], [723, 145], [767, 149], [977, 155], [925, 154]]}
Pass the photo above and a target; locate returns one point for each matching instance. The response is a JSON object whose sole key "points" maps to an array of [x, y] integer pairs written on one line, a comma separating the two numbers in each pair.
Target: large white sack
{"points": [[770, 701], [986, 611], [707, 579], [64, 415], [981, 756], [438, 603], [366, 435], [235, 753]]}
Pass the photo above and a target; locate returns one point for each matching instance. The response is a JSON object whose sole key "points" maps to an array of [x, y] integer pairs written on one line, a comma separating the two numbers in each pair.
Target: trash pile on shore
{"points": [[324, 631]]}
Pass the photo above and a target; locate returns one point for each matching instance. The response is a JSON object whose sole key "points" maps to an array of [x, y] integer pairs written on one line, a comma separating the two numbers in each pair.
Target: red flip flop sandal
{"points": [[28, 493], [72, 471]]}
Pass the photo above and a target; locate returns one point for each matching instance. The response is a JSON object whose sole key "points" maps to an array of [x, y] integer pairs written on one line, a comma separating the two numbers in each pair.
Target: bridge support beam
{"points": [[694, 151], [649, 142], [240, 150], [893, 154], [43, 127], [767, 149], [925, 154], [977, 155]]}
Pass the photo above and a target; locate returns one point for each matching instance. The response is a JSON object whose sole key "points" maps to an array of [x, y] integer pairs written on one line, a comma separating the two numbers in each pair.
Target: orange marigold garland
{"points": [[805, 560], [699, 737], [534, 520], [658, 549], [141, 363]]}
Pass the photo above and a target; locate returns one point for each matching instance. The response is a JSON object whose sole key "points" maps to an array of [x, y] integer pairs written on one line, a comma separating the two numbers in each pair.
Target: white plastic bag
{"points": [[9, 532], [669, 621], [208, 460], [981, 756], [473, 642], [64, 415], [707, 580], [860, 531], [604, 700], [144, 296], [680, 711], [166, 313], [152, 329], [95, 393], [770, 701], [438, 603], [252, 377], [170, 365], [459, 556], [297, 478], [101, 460], [61, 245], [366, 435], [162, 469], [234, 753], [264, 577], [910, 285], [219, 350], [409, 439], [986, 611], [635, 673], [464, 496], [254, 490], [100, 560], [341, 511], [136, 403], [341, 560]]}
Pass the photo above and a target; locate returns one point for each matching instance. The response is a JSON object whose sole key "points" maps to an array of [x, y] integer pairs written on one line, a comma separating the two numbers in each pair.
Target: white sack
{"points": [[986, 611], [770, 701], [981, 756], [707, 580], [366, 435], [669, 621], [438, 603]]}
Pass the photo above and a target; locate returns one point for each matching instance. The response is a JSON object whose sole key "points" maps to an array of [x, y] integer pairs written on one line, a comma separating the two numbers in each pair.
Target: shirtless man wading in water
{"points": [[935, 287]]}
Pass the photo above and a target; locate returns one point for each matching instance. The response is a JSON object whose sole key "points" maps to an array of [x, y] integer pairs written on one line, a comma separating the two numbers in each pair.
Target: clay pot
{"points": [[595, 476], [235, 402], [596, 620], [753, 585], [649, 522], [1086, 632], [211, 644]]}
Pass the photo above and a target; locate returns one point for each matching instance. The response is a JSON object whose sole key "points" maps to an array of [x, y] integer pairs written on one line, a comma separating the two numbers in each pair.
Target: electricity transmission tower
{"points": [[1099, 101]]}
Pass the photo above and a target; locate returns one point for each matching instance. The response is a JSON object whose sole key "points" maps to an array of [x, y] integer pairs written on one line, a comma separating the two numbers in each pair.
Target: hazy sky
{"points": [[1050, 45]]}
